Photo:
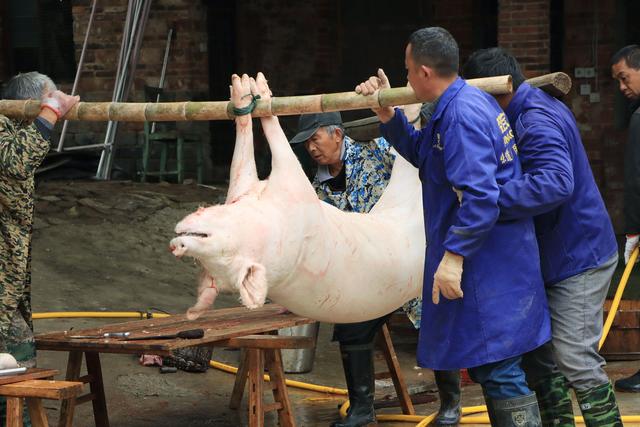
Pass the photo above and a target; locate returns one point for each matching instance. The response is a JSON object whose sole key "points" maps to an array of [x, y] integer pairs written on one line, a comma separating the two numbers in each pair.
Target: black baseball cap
{"points": [[309, 124]]}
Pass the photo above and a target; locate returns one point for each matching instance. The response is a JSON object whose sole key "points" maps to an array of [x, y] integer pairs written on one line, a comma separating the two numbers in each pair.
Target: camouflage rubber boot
{"points": [[599, 407], [554, 401]]}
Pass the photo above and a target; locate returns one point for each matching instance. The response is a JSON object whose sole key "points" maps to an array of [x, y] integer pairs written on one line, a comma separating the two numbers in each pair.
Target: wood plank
{"points": [[15, 407], [218, 325], [46, 389], [94, 369], [268, 342], [37, 413], [31, 374], [396, 373]]}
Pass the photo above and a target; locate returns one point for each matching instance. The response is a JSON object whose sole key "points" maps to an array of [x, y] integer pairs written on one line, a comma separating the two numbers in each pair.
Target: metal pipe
{"points": [[78, 72]]}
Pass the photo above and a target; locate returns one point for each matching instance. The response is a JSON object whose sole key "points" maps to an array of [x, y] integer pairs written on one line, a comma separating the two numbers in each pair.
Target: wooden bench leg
{"points": [[241, 381], [74, 364], [396, 374], [94, 370], [256, 387], [15, 407], [36, 412], [277, 380]]}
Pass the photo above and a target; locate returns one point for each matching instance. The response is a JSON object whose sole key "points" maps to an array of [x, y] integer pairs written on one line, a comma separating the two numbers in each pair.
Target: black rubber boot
{"points": [[630, 384], [357, 361], [449, 390], [521, 411]]}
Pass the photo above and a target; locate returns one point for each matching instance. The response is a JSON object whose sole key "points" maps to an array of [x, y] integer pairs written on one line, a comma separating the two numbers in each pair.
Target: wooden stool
{"points": [[394, 372], [33, 391], [264, 351]]}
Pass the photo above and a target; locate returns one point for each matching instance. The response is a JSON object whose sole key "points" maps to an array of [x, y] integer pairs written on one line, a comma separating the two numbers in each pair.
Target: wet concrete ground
{"points": [[103, 246]]}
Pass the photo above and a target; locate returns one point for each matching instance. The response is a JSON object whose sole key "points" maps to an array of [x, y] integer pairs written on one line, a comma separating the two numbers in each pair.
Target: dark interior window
{"points": [[40, 38]]}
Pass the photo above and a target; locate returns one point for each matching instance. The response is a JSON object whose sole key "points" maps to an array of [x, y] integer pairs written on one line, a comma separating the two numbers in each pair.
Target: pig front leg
{"points": [[207, 293]]}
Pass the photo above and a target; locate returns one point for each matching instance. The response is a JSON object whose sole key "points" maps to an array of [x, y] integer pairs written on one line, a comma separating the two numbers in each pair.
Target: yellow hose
{"points": [[618, 296], [98, 314], [420, 419]]}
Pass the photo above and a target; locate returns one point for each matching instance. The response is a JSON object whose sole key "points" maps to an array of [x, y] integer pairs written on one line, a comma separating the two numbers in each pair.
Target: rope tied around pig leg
{"points": [[249, 108]]}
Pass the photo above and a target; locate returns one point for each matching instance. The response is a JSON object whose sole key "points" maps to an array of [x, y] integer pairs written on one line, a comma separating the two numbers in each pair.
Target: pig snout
{"points": [[177, 247]]}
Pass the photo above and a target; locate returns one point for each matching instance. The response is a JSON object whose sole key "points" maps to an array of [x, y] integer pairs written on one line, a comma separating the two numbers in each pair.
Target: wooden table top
{"points": [[31, 374], [218, 325]]}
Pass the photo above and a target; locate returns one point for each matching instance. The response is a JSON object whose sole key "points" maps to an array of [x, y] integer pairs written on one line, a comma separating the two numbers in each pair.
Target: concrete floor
{"points": [[140, 396]]}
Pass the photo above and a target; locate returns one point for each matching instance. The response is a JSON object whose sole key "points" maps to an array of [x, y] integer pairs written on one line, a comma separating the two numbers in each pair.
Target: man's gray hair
{"points": [[436, 48], [331, 129], [30, 85]]}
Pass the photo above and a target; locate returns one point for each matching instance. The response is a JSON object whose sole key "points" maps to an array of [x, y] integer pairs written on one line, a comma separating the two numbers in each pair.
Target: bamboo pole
{"points": [[555, 84], [223, 110]]}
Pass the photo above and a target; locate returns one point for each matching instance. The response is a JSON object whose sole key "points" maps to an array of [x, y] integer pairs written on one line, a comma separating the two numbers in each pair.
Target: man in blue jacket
{"points": [[578, 249], [496, 310]]}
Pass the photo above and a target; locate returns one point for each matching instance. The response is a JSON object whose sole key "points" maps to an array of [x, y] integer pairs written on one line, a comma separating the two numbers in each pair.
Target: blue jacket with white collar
{"points": [[573, 227], [464, 154]]}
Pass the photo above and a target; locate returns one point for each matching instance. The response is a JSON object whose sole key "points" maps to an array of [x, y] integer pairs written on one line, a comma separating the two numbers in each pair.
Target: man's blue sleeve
{"points": [[470, 164], [402, 136], [547, 179]]}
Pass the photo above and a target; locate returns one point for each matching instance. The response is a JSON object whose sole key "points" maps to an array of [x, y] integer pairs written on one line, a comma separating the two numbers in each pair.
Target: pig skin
{"points": [[275, 237]]}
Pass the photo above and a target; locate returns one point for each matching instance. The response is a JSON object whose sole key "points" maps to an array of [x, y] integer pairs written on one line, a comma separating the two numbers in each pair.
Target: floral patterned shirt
{"points": [[367, 167]]}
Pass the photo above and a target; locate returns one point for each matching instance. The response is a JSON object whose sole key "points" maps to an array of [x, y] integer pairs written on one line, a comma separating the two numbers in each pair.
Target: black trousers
{"points": [[361, 333]]}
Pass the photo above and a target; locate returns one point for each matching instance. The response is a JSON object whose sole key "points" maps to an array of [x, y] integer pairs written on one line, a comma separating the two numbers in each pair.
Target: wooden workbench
{"points": [[218, 325]]}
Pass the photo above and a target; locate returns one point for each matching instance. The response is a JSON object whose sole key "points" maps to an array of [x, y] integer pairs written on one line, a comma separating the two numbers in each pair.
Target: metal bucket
{"points": [[299, 361]]}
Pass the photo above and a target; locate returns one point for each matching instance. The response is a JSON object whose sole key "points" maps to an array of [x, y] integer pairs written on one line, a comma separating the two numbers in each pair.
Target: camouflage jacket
{"points": [[367, 167], [22, 149]]}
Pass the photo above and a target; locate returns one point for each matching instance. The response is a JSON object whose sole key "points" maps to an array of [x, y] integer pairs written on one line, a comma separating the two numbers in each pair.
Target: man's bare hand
{"points": [[371, 87]]}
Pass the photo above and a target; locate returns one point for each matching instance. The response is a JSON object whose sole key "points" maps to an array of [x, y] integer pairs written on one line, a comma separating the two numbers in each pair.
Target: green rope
{"points": [[249, 108]]}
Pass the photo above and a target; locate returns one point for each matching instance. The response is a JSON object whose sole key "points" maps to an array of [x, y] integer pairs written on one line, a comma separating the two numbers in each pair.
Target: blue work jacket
{"points": [[573, 227], [465, 152]]}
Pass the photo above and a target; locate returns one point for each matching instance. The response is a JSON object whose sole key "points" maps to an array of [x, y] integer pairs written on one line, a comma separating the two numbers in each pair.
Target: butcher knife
{"points": [[189, 334]]}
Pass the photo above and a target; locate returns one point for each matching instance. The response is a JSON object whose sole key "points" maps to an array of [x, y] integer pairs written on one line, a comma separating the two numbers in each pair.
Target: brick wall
{"points": [[186, 76], [589, 43], [523, 29]]}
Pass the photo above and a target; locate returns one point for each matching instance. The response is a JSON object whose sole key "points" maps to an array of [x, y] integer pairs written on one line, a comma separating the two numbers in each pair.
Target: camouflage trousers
{"points": [[21, 345]]}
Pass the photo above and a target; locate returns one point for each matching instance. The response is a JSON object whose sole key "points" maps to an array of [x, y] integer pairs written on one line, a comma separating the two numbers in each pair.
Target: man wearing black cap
{"points": [[352, 176]]}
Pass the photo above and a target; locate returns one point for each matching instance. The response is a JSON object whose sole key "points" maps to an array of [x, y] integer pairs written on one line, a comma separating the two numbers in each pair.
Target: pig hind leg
{"points": [[243, 174]]}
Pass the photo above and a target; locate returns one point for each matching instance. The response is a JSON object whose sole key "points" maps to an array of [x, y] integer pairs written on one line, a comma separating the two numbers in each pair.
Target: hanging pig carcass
{"points": [[274, 238]]}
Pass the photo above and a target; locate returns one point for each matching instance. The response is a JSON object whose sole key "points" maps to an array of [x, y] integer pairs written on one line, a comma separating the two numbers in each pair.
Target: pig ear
{"points": [[253, 286]]}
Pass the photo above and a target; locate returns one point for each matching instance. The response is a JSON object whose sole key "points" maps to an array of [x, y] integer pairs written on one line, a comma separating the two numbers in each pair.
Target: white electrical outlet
{"points": [[578, 72], [594, 97], [585, 89], [589, 72]]}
